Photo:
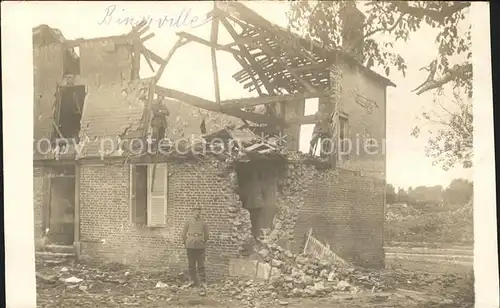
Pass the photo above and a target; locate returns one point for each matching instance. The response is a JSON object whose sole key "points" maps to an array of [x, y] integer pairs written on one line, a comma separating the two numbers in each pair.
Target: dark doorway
{"points": [[62, 210], [69, 113], [257, 188]]}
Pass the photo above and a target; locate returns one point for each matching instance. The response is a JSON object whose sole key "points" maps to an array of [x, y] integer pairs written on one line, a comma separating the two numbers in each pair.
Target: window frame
{"points": [[149, 182]]}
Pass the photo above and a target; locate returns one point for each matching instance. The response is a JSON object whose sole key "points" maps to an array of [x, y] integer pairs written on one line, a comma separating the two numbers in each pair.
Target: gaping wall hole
{"points": [[257, 189], [69, 113], [306, 130], [71, 61]]}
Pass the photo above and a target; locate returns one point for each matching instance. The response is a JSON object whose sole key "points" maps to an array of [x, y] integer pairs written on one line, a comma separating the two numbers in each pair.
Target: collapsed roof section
{"points": [[279, 65], [273, 60], [115, 103], [230, 144], [285, 60]]}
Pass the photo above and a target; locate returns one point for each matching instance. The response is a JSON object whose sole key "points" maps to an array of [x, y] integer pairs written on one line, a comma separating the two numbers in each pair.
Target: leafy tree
{"points": [[424, 195], [459, 192], [397, 20], [451, 131], [402, 196], [390, 194]]}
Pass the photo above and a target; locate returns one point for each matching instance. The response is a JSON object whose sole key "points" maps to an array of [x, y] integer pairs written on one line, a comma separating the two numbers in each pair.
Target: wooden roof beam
{"points": [[147, 37], [255, 101], [304, 83], [180, 42], [150, 54], [136, 60], [245, 66], [212, 106], [312, 67], [197, 39], [213, 41], [251, 60], [147, 57], [302, 120]]}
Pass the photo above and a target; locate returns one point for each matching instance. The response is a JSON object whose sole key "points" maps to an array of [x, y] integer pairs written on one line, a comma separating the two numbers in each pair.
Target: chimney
{"points": [[352, 21]]}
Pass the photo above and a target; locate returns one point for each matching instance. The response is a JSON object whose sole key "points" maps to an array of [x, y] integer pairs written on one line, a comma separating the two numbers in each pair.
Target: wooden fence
{"points": [[313, 247]]}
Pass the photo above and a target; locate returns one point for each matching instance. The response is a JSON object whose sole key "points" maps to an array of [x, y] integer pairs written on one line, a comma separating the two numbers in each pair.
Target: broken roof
{"points": [[115, 112], [44, 35], [278, 56]]}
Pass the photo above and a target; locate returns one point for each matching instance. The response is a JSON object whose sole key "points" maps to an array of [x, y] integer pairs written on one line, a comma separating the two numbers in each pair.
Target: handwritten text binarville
{"points": [[113, 15]]}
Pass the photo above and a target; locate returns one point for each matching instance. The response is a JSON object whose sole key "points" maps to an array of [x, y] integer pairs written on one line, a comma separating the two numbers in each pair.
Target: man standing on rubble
{"points": [[195, 238], [321, 129]]}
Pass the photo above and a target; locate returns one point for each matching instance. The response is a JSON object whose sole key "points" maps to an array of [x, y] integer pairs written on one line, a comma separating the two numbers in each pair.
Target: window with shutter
{"points": [[157, 192]]}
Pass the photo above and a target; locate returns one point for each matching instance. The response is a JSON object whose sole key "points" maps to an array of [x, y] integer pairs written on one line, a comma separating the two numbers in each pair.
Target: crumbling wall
{"points": [[107, 233], [185, 120], [48, 71], [103, 62], [257, 188], [343, 209]]}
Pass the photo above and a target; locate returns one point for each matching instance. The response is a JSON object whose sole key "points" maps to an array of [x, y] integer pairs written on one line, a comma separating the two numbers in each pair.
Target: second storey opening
{"points": [[69, 109]]}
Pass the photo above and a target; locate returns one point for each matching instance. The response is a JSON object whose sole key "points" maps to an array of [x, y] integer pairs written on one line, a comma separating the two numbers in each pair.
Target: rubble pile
{"points": [[289, 201], [401, 213], [298, 275], [412, 225]]}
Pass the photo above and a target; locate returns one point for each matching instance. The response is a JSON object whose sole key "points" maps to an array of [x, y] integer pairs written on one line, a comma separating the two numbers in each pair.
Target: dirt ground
{"points": [[114, 285]]}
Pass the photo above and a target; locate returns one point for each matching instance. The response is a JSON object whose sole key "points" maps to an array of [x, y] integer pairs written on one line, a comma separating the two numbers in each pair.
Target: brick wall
{"points": [[344, 210], [108, 235], [104, 62]]}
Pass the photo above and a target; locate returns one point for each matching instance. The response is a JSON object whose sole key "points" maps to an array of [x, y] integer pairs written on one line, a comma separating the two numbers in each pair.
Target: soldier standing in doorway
{"points": [[195, 238], [321, 129]]}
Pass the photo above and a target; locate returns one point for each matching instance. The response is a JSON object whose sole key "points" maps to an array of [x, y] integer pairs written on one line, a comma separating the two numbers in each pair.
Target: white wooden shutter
{"points": [[157, 195]]}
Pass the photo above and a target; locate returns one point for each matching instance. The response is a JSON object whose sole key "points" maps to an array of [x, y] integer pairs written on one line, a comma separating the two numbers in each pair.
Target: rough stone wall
{"points": [[108, 235], [48, 71], [102, 62], [40, 190], [363, 122]]}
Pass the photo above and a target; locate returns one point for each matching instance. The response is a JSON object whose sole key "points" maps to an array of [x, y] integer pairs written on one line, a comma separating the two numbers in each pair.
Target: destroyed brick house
{"points": [[110, 204]]}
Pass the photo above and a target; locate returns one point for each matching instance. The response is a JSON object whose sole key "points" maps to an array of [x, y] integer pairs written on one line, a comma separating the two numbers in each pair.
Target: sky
{"points": [[190, 69]]}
